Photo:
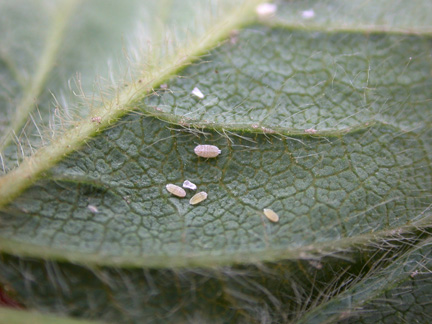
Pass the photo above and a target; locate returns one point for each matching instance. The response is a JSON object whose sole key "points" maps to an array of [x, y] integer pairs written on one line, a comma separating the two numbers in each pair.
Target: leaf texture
{"points": [[325, 121]]}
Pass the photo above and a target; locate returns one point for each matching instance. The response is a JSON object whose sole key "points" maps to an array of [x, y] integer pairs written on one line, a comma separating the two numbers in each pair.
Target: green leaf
{"points": [[398, 292], [358, 16], [323, 189], [9, 316], [329, 127], [40, 56]]}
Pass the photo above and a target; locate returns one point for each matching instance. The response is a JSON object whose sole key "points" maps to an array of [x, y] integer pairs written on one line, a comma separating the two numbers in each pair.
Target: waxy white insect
{"points": [[189, 185], [271, 215], [93, 209], [308, 14], [207, 151], [197, 92], [176, 190], [266, 9], [310, 131], [196, 199]]}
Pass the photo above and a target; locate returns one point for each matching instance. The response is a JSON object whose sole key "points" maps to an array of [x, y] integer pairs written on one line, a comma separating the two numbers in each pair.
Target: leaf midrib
{"points": [[44, 67], [30, 170], [369, 29]]}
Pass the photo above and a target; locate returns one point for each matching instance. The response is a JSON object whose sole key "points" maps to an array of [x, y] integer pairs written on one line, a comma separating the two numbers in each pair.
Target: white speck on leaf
{"points": [[266, 9], [189, 185], [267, 130], [310, 131], [197, 92], [308, 14], [93, 209]]}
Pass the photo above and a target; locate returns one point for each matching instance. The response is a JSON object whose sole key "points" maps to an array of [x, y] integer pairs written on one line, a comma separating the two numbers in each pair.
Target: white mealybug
{"points": [[308, 14], [189, 185], [197, 92], [93, 209], [207, 151], [176, 190], [266, 9], [196, 199], [271, 215], [310, 131]]}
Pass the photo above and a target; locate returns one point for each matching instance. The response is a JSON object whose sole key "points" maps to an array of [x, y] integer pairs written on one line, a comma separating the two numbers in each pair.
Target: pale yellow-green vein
{"points": [[44, 67], [13, 70], [13, 183]]}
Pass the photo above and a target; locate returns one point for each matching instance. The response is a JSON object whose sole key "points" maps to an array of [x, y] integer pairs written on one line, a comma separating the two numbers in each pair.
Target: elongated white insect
{"points": [[196, 199], [308, 14], [176, 190], [266, 9], [197, 92], [271, 215], [310, 131], [189, 185], [207, 151], [93, 209]]}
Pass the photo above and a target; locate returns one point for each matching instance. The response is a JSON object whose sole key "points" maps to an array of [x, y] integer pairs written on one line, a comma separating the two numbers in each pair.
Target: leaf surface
{"points": [[398, 292], [329, 127], [8, 316]]}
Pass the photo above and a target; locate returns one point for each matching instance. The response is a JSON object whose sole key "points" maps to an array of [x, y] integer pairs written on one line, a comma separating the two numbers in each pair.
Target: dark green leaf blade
{"points": [[329, 129], [397, 293], [295, 81]]}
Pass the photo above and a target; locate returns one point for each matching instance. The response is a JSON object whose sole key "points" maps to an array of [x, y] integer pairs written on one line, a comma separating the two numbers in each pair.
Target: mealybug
{"points": [[207, 151], [266, 9], [308, 14], [197, 92], [310, 131], [271, 215], [189, 185], [93, 209], [200, 196], [176, 190]]}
